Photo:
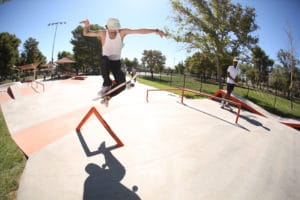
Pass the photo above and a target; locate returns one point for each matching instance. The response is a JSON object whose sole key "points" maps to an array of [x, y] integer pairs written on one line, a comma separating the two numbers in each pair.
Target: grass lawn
{"points": [[12, 163]]}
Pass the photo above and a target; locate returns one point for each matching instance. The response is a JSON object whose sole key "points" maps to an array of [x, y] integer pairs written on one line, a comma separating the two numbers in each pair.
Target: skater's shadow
{"points": [[86, 148], [103, 181], [216, 117], [254, 122]]}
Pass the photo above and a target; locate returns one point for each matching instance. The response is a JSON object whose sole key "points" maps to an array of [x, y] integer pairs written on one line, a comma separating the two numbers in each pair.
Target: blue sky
{"points": [[30, 18]]}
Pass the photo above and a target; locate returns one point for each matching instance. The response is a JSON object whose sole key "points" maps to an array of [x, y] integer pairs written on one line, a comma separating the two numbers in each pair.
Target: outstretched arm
{"points": [[86, 28], [125, 32]]}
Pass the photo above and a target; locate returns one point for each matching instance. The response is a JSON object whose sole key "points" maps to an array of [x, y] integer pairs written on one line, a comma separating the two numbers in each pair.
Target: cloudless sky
{"points": [[30, 18]]}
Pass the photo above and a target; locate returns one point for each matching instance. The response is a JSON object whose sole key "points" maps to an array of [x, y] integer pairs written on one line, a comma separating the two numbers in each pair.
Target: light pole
{"points": [[56, 24]]}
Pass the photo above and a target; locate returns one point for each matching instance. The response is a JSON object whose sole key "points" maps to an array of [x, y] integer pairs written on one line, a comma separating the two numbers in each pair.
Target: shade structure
{"points": [[64, 60], [48, 65], [31, 66]]}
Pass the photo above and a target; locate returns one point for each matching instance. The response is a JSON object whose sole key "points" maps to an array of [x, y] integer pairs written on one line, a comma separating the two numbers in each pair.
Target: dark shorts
{"points": [[230, 87], [113, 66]]}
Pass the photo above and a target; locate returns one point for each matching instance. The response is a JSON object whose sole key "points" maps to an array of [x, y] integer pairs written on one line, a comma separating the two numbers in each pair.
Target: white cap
{"points": [[235, 59], [113, 24]]}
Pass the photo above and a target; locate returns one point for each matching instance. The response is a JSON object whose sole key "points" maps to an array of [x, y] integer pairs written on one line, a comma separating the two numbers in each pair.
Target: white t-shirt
{"points": [[112, 47], [233, 71]]}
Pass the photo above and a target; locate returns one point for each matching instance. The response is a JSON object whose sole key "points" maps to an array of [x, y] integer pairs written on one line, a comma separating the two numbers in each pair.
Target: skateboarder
{"points": [[112, 44], [232, 79]]}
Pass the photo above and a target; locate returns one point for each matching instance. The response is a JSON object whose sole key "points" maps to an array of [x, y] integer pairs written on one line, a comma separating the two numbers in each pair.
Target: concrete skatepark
{"points": [[171, 150]]}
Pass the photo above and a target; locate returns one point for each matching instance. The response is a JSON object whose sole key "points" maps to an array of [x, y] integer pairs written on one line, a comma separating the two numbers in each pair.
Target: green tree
{"points": [[180, 68], [65, 54], [288, 61], [87, 50], [296, 85], [130, 63], [153, 60], [245, 68], [9, 53], [200, 64], [215, 27], [262, 63], [278, 78], [4, 1], [31, 53], [252, 75], [293, 62]]}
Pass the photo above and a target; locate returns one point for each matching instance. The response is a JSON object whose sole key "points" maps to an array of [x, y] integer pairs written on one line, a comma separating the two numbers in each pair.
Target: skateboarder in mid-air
{"points": [[112, 43]]}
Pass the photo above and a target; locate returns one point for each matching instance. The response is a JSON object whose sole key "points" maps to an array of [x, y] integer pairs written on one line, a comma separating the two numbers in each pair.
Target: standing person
{"points": [[133, 73], [112, 44], [232, 79]]}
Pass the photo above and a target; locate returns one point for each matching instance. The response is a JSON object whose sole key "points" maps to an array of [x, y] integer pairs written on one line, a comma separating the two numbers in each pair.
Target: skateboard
{"points": [[106, 97], [227, 108]]}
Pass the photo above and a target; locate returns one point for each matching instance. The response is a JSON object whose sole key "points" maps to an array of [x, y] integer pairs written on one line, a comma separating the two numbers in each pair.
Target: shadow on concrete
{"points": [[247, 118], [104, 182], [254, 122], [214, 116], [86, 148], [250, 120]]}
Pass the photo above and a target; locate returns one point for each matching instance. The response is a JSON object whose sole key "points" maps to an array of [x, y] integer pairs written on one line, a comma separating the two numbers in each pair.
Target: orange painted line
{"points": [[24, 91], [37, 136], [4, 97]]}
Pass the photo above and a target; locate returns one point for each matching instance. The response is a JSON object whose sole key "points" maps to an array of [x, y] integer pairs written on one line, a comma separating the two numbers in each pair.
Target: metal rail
{"points": [[37, 83], [183, 90]]}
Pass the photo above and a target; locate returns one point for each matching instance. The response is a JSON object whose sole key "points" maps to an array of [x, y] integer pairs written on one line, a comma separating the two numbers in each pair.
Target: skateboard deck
{"points": [[106, 97], [227, 108]]}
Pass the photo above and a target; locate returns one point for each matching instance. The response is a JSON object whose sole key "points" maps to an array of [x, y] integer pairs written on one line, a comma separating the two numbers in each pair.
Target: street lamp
{"points": [[56, 24]]}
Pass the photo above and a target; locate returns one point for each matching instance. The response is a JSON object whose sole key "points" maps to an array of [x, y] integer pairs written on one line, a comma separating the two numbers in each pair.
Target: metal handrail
{"points": [[239, 105], [38, 83]]}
